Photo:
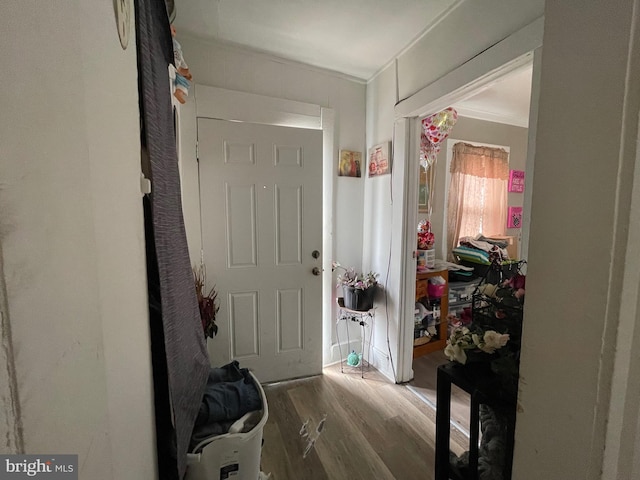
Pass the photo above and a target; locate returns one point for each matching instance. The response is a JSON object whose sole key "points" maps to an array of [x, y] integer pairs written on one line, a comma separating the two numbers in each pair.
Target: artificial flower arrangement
{"points": [[207, 303], [463, 339], [426, 239], [494, 334]]}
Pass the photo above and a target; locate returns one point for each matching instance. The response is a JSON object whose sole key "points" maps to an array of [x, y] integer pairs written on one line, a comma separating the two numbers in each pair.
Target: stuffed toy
{"points": [[183, 75]]}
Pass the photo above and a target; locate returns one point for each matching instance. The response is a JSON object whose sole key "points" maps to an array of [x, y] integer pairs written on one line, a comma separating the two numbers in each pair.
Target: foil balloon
{"points": [[428, 152], [437, 127]]}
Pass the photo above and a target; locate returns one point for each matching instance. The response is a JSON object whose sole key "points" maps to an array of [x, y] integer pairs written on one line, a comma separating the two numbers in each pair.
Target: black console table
{"points": [[484, 388]]}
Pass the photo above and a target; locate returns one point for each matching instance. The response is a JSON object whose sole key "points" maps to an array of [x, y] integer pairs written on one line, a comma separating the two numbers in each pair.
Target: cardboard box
{"points": [[512, 244]]}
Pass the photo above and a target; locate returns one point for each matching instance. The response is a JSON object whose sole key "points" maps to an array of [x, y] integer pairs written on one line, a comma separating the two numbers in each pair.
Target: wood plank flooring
{"points": [[424, 383], [374, 429]]}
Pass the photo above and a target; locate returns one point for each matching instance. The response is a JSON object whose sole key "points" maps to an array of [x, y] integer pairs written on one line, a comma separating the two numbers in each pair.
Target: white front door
{"points": [[261, 207]]}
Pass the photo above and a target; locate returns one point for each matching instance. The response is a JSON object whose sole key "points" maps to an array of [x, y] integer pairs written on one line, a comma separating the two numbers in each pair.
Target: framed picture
{"points": [[514, 219], [350, 164], [516, 181], [423, 190], [379, 160]]}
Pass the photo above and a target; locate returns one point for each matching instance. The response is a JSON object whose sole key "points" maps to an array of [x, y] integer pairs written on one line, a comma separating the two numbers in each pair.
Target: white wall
{"points": [[463, 34], [579, 327], [73, 241], [238, 69]]}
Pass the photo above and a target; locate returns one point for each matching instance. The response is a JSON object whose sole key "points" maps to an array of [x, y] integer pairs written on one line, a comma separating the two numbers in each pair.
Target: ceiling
{"points": [[356, 38], [505, 101]]}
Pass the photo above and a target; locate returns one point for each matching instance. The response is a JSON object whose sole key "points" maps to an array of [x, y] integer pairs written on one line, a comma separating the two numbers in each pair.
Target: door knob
{"points": [[315, 271], [315, 254]]}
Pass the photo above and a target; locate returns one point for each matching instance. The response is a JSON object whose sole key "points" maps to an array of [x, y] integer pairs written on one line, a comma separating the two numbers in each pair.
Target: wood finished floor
{"points": [[424, 382], [374, 429]]}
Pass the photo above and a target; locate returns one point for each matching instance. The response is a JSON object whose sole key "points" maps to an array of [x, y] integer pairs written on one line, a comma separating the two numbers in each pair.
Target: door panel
{"points": [[261, 207]]}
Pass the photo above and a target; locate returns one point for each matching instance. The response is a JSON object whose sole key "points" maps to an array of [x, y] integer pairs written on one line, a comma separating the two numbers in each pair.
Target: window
{"points": [[477, 199]]}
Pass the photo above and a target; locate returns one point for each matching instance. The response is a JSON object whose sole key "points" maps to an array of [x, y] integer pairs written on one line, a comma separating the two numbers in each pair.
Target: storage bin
{"points": [[435, 291], [234, 455], [462, 291]]}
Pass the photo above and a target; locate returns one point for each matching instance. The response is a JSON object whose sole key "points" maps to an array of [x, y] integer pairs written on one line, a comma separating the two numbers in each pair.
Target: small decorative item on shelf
{"points": [[358, 288], [207, 303], [426, 239]]}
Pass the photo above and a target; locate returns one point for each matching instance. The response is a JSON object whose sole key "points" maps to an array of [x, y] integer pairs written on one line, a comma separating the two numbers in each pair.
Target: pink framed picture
{"points": [[516, 181], [514, 219]]}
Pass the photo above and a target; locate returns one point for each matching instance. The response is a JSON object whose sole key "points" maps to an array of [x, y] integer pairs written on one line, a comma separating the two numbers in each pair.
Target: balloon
{"points": [[437, 127], [428, 152]]}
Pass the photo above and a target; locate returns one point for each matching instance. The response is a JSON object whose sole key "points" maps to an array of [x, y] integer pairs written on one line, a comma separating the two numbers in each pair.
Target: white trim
{"points": [[223, 104], [486, 116], [487, 68], [329, 149], [481, 71], [434, 23]]}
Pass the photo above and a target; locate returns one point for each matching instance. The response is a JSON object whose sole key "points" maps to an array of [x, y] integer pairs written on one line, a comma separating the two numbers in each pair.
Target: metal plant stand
{"points": [[364, 319]]}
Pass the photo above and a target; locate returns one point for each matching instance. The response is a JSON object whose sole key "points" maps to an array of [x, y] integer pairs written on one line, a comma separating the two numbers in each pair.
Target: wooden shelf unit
{"points": [[422, 280]]}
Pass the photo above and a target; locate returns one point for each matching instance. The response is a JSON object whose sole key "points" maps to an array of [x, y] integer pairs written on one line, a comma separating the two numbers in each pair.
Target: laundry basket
{"points": [[234, 455]]}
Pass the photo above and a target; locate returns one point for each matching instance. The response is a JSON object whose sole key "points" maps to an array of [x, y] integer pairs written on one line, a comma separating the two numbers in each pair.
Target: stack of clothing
{"points": [[229, 395], [481, 250]]}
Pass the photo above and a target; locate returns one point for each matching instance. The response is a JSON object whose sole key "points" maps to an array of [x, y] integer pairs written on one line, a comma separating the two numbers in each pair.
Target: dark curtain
{"points": [[187, 362]]}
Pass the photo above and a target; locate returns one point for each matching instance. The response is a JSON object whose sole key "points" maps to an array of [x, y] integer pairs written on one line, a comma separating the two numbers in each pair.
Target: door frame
{"points": [[519, 49], [231, 105]]}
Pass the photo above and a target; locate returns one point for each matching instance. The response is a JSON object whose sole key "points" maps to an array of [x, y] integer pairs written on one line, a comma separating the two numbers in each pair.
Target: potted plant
{"points": [[207, 302], [358, 289]]}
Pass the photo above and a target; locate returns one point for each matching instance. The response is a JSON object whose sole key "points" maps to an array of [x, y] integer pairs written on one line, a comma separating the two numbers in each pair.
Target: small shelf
{"points": [[439, 341]]}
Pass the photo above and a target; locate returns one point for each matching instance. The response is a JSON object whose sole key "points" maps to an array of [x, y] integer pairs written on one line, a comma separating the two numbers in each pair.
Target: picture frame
{"points": [[516, 181], [423, 190], [514, 217], [379, 159], [350, 164]]}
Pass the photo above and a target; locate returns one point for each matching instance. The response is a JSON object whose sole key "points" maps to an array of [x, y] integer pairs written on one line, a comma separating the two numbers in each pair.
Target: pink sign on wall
{"points": [[516, 181], [514, 219]]}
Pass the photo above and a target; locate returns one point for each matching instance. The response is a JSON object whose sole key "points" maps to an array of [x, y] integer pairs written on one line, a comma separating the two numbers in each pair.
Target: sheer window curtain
{"points": [[477, 193]]}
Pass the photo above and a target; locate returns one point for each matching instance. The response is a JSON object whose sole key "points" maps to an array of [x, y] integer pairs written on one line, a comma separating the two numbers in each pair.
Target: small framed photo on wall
{"points": [[379, 159], [350, 164], [516, 181], [514, 219]]}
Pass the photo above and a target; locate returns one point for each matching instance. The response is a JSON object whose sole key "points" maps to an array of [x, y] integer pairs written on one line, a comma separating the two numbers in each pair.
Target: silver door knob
{"points": [[315, 271]]}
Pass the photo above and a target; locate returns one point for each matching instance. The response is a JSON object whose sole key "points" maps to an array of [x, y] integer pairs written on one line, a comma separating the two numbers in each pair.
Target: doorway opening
{"points": [[215, 104]]}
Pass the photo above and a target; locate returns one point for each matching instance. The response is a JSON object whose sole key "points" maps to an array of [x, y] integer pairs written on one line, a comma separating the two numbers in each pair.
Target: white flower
{"points": [[493, 341], [455, 352]]}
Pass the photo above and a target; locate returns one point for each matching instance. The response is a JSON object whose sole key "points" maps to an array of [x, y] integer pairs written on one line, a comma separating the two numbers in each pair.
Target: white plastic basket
{"points": [[233, 455]]}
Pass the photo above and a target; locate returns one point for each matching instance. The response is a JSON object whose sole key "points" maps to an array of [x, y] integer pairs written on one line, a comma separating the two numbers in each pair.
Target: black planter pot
{"points": [[357, 299]]}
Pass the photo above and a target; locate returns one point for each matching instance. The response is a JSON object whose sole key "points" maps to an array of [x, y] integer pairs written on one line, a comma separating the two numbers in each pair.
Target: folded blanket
{"points": [[473, 255]]}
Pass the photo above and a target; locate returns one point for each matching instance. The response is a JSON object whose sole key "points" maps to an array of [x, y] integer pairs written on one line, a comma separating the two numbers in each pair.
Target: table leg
{"points": [[338, 340], [474, 425], [443, 412]]}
